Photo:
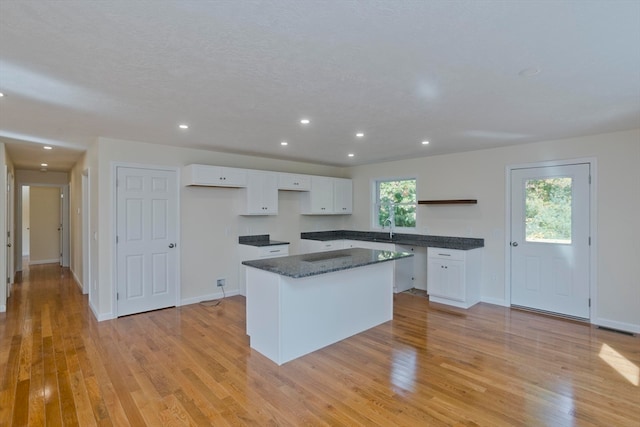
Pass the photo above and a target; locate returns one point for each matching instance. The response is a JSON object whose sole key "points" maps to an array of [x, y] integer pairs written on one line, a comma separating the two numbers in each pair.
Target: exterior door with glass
{"points": [[550, 239]]}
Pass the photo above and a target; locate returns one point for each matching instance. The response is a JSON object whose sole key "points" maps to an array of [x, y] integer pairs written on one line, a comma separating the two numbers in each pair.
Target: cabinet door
{"points": [[435, 278], [261, 194], [446, 279], [454, 280], [233, 177], [342, 196], [319, 201], [294, 182], [214, 176]]}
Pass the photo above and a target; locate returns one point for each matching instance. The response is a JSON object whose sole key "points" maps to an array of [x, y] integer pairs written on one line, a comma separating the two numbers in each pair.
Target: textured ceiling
{"points": [[243, 73]]}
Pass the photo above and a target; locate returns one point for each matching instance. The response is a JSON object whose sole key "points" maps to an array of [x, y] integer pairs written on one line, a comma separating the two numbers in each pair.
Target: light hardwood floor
{"points": [[431, 365]]}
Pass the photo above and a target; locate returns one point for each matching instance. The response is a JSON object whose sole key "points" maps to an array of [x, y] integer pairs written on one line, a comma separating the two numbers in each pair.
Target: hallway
{"points": [[432, 365]]}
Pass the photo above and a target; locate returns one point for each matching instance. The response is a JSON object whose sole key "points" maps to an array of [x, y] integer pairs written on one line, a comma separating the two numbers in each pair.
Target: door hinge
{"points": [[589, 240], [589, 302], [117, 295], [589, 179], [116, 239]]}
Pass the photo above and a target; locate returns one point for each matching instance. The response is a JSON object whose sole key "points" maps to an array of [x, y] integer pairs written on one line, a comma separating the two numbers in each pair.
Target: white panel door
{"points": [[550, 239], [147, 214]]}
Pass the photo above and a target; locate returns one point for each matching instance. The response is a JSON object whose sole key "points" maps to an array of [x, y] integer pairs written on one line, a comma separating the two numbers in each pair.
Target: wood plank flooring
{"points": [[432, 365]]}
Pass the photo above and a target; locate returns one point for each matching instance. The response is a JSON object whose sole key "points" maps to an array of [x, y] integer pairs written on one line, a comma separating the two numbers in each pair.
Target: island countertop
{"points": [[305, 265]]}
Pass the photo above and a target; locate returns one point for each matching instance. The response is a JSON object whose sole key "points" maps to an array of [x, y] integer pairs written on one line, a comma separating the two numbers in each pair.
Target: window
{"points": [[548, 210], [395, 203]]}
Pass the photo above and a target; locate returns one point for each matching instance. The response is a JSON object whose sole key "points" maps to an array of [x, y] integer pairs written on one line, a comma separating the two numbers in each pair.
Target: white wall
{"points": [[481, 175], [210, 225]]}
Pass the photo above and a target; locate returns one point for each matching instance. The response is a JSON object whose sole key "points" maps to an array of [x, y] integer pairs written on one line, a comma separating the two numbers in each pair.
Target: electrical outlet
{"points": [[221, 282]]}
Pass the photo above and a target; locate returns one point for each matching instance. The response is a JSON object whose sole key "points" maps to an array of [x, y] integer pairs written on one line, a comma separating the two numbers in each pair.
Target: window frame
{"points": [[375, 197]]}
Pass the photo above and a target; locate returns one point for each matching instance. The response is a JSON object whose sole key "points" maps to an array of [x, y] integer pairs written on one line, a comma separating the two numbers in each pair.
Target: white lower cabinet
{"points": [[453, 276], [404, 269], [309, 246], [248, 252]]}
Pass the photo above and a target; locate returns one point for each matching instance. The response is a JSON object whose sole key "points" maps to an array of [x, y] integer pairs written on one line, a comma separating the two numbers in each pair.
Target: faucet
{"points": [[390, 221]]}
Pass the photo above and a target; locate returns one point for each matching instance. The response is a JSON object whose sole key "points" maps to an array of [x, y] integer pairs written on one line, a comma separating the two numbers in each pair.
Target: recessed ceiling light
{"points": [[183, 126], [283, 143], [44, 165], [46, 147], [305, 121], [359, 134], [425, 142], [350, 154]]}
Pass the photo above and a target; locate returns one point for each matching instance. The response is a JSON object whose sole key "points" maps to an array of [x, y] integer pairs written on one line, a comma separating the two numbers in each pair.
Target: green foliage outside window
{"points": [[401, 197], [548, 210]]}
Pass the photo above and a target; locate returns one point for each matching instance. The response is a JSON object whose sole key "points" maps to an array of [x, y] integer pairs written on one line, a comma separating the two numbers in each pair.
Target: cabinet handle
{"points": [[445, 254], [275, 251]]}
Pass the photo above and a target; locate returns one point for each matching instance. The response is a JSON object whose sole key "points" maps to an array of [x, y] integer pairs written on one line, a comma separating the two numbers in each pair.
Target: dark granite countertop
{"points": [[305, 265], [259, 240], [446, 242]]}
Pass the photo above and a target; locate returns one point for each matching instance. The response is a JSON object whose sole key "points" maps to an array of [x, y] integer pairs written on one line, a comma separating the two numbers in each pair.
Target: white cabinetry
{"points": [[248, 252], [328, 196], [294, 182], [309, 246], [453, 276], [404, 269], [261, 194], [318, 201], [214, 176], [342, 196]]}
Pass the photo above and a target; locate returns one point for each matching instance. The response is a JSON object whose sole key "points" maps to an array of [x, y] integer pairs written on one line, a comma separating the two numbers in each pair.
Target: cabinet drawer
{"points": [[274, 251], [451, 254]]}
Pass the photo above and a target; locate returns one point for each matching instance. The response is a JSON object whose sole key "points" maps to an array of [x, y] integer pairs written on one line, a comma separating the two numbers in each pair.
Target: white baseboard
{"points": [[3, 308], [614, 324], [495, 301], [217, 295], [45, 261], [78, 282], [100, 317]]}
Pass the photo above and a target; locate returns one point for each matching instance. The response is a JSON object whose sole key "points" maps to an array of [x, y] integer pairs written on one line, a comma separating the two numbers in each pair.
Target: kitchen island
{"points": [[299, 304]]}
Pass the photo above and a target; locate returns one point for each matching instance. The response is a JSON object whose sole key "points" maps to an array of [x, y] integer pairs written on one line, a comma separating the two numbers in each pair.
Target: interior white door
{"points": [[550, 267], [10, 227], [147, 215]]}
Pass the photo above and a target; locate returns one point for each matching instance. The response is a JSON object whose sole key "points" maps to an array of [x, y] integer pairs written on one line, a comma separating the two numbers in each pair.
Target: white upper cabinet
{"points": [[294, 182], [318, 201], [261, 194], [214, 176], [328, 196], [342, 196]]}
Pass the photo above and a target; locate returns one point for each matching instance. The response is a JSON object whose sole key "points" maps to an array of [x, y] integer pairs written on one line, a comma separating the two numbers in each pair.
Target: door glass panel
{"points": [[548, 210]]}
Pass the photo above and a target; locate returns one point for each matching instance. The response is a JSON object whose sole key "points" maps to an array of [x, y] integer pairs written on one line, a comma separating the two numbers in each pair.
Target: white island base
{"points": [[288, 318]]}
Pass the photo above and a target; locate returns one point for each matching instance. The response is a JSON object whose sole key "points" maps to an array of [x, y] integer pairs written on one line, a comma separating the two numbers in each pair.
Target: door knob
{"points": [[514, 244], [8, 245], [171, 245]]}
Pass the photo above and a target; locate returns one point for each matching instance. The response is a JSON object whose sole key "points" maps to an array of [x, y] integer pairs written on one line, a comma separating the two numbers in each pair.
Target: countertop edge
{"points": [[256, 264]]}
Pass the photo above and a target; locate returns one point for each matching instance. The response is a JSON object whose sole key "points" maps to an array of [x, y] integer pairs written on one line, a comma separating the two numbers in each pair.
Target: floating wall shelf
{"points": [[449, 202]]}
